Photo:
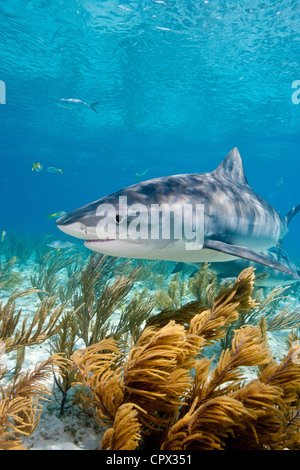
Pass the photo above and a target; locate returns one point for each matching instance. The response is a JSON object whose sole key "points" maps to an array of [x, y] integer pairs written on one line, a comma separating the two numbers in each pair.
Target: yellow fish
{"points": [[56, 214], [3, 236], [37, 166], [138, 175]]}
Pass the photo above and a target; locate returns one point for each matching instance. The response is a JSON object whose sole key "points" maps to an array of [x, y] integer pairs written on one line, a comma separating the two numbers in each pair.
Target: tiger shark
{"points": [[233, 220]]}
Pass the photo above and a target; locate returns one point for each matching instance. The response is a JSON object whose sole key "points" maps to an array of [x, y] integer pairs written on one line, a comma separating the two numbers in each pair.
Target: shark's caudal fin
{"points": [[291, 214], [92, 106], [247, 253], [232, 168]]}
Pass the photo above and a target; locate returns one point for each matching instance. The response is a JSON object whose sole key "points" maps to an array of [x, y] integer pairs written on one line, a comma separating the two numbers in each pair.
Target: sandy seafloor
{"points": [[74, 430]]}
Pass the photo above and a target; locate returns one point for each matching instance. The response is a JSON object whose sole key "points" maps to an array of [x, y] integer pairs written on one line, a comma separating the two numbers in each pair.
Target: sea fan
{"points": [[176, 400], [20, 403]]}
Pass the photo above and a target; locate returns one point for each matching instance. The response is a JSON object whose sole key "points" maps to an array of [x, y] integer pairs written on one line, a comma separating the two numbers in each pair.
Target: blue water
{"points": [[180, 83]]}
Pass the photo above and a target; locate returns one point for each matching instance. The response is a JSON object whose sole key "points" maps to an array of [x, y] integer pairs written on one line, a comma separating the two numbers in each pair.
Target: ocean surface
{"points": [[179, 84]]}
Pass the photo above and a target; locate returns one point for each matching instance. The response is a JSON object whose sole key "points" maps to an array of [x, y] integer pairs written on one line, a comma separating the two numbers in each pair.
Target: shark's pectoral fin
{"points": [[290, 215], [247, 253]]}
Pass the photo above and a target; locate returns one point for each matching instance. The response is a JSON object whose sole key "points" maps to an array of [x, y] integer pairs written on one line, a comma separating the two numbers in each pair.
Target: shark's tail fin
{"points": [[291, 214], [94, 104]]}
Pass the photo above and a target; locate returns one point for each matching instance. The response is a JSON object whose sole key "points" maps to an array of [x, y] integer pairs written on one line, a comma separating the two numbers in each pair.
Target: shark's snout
{"points": [[64, 220], [77, 227]]}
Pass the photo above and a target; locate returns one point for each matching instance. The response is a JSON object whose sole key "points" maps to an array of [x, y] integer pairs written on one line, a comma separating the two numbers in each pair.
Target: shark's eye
{"points": [[118, 218]]}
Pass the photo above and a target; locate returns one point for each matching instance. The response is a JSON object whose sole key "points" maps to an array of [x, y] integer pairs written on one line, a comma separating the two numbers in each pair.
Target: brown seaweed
{"points": [[170, 407], [21, 403]]}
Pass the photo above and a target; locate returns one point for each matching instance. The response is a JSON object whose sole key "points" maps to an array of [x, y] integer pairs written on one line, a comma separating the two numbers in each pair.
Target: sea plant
{"points": [[21, 402], [173, 295], [268, 308], [50, 263], [9, 279], [163, 395], [97, 297], [154, 274], [35, 330], [204, 285], [63, 344], [100, 296], [16, 334], [68, 290], [19, 246]]}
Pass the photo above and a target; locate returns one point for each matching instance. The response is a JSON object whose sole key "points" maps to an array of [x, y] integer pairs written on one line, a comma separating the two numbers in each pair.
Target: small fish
{"points": [[280, 182], [60, 245], [52, 169], [74, 103], [56, 214], [3, 236], [47, 236], [37, 167], [143, 173]]}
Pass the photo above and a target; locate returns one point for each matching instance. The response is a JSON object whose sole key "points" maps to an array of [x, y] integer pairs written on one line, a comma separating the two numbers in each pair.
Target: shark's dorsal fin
{"points": [[232, 167]]}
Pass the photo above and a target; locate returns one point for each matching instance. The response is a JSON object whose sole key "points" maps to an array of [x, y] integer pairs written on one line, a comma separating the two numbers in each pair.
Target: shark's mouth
{"points": [[99, 240]]}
